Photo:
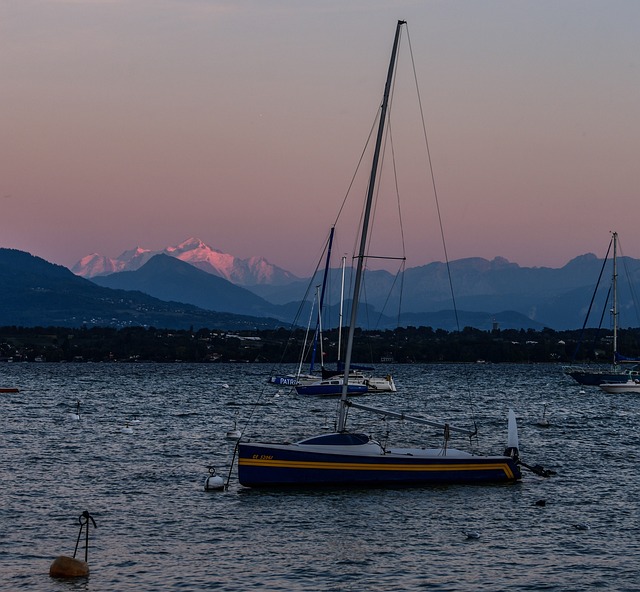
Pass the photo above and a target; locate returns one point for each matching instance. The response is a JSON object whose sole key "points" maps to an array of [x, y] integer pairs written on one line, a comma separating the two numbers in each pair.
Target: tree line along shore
{"points": [[404, 345]]}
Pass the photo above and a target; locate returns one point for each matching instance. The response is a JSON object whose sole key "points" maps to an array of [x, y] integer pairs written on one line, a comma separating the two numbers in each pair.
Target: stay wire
{"points": [[439, 215], [632, 289], [593, 297]]}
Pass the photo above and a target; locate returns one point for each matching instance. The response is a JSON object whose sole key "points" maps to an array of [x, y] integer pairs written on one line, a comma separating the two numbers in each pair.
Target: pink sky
{"points": [[145, 122]]}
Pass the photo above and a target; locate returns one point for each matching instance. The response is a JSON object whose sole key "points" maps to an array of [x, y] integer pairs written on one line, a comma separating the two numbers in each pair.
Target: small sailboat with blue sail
{"points": [[344, 457]]}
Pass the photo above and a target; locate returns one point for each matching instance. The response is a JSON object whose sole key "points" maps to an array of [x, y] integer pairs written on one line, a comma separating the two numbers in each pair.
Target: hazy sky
{"points": [[146, 122]]}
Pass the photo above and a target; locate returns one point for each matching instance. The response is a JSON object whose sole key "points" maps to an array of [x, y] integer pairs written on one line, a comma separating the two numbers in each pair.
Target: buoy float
{"points": [[68, 567], [127, 429], [543, 422], [76, 416], [213, 482], [234, 435]]}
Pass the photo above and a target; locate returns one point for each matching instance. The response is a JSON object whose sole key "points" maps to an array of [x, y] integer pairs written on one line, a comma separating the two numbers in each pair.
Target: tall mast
{"points": [[321, 304], [615, 297], [344, 261], [365, 229]]}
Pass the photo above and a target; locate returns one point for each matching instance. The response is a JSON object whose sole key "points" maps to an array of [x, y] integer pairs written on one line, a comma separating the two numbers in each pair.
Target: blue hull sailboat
{"points": [[332, 387], [346, 458], [622, 368]]}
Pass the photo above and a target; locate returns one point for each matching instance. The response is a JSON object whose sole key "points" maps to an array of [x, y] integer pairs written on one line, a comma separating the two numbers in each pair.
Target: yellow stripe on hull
{"points": [[291, 464]]}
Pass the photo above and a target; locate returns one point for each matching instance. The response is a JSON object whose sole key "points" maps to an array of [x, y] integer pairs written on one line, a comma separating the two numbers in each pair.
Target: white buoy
{"points": [[471, 534], [543, 421], [213, 482], [235, 433], [225, 385], [76, 416], [127, 429]]}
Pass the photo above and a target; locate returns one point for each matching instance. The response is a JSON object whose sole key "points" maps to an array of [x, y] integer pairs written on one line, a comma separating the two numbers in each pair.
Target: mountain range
{"points": [[187, 286], [488, 293], [243, 272], [34, 292]]}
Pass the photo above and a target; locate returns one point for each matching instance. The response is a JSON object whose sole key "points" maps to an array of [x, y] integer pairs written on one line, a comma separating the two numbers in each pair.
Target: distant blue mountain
{"points": [[169, 293], [34, 292], [541, 296], [171, 279]]}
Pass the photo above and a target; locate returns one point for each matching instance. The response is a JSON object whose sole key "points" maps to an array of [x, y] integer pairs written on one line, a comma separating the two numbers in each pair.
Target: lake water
{"points": [[158, 529]]}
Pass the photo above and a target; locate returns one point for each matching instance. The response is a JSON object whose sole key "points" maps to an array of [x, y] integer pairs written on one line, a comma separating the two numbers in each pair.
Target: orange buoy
{"points": [[68, 567]]}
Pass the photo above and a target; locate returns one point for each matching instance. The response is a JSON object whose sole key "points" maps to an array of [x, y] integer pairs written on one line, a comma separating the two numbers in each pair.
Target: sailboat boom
{"points": [[412, 418]]}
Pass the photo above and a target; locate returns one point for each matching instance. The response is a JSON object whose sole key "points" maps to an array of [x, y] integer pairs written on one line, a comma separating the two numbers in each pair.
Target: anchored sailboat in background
{"points": [[346, 458], [312, 376], [328, 383], [622, 368]]}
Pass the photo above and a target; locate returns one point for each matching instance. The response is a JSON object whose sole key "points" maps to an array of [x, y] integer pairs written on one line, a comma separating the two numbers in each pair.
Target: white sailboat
{"points": [[358, 375], [630, 386]]}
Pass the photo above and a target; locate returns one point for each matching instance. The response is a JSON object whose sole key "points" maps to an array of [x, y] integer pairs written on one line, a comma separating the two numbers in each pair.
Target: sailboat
{"points": [[357, 375], [348, 458], [299, 378], [331, 386], [617, 372], [631, 385]]}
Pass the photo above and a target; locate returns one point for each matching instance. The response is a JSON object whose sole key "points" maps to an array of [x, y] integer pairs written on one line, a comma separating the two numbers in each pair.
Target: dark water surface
{"points": [[159, 530]]}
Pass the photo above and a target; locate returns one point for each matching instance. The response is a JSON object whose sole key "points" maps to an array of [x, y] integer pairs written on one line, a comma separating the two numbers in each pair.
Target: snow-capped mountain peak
{"points": [[244, 272]]}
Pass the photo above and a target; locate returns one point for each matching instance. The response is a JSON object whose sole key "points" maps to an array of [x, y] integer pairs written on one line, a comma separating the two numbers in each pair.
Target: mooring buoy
{"points": [[213, 482], [70, 567]]}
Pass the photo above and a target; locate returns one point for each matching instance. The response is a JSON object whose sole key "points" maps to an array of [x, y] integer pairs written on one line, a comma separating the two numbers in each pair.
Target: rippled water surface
{"points": [[158, 529]]}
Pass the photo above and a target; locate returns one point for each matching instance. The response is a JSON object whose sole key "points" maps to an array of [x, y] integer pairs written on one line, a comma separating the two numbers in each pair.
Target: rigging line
{"points": [[402, 238], [300, 310], [355, 173], [593, 297], [632, 290], [393, 160], [383, 152], [441, 225], [433, 183], [400, 274], [386, 258], [388, 139], [403, 267], [397, 187]]}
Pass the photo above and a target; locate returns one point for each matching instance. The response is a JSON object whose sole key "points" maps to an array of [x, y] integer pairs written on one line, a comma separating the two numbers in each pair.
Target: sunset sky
{"points": [[241, 122]]}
